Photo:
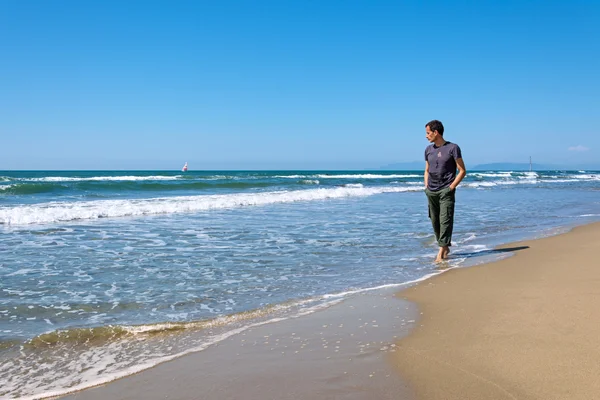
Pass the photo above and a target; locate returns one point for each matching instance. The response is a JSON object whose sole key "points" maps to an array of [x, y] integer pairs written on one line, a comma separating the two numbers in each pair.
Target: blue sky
{"points": [[295, 85]]}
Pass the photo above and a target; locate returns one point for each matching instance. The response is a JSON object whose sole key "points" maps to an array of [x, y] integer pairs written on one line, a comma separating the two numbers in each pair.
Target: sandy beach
{"points": [[527, 327]]}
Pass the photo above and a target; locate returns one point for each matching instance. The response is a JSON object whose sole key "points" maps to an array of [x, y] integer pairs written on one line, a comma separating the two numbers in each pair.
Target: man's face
{"points": [[430, 135]]}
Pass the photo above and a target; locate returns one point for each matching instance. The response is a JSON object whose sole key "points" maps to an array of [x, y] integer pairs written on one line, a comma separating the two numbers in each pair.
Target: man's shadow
{"points": [[489, 252], [443, 265]]}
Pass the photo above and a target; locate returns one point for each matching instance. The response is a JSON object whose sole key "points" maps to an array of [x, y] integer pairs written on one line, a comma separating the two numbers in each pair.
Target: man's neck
{"points": [[439, 141]]}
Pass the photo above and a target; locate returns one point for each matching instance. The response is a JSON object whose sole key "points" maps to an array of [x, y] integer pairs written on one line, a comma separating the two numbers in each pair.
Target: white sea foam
{"points": [[476, 248], [557, 180], [471, 236], [86, 210], [479, 184], [350, 176], [534, 178], [527, 178], [591, 177], [491, 174], [529, 175], [23, 271]]}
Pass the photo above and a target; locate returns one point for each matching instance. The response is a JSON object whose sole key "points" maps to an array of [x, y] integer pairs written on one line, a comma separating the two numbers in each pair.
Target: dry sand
{"points": [[527, 327]]}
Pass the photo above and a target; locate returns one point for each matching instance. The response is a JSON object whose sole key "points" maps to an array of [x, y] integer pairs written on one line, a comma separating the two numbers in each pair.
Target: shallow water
{"points": [[105, 273]]}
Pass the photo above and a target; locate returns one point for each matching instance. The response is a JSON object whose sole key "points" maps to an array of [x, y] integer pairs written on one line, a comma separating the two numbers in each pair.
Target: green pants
{"points": [[441, 213]]}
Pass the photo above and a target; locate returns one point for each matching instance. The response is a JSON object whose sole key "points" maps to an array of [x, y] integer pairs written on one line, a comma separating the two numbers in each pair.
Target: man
{"points": [[442, 158]]}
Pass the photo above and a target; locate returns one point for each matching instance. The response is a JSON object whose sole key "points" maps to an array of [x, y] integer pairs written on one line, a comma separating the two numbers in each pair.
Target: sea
{"points": [[107, 273]]}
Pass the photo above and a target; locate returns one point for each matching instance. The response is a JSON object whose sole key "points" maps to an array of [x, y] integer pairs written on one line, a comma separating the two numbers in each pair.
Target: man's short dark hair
{"points": [[436, 125]]}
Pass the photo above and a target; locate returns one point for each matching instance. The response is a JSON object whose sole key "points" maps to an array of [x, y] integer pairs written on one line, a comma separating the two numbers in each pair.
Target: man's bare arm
{"points": [[462, 172]]}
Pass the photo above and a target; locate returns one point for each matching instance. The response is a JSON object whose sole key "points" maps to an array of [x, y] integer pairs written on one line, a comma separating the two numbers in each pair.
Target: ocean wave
{"points": [[529, 175], [494, 183], [100, 335], [78, 336], [88, 210], [31, 188], [61, 362], [559, 180], [507, 174], [92, 187], [349, 176], [591, 177], [531, 179]]}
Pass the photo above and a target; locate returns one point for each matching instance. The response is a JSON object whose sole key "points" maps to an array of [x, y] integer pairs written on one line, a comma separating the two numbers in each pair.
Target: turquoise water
{"points": [[105, 273]]}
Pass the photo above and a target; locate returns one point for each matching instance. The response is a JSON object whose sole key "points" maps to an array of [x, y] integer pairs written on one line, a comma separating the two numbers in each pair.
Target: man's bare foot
{"points": [[440, 255], [445, 252]]}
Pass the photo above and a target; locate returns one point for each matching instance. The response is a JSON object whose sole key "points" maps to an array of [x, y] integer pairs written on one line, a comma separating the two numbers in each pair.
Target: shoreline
{"points": [[136, 384], [338, 352], [524, 327]]}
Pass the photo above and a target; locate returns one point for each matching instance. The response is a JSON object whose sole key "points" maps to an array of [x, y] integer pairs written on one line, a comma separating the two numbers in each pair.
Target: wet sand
{"points": [[336, 353], [526, 327]]}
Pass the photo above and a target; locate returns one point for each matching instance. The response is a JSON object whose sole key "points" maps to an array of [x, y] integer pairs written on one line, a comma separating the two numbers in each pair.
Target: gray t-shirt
{"points": [[442, 165]]}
